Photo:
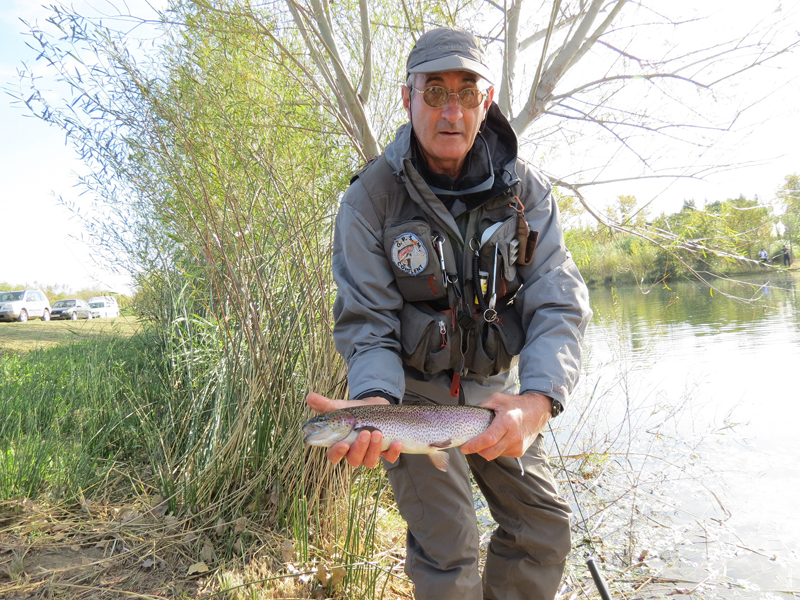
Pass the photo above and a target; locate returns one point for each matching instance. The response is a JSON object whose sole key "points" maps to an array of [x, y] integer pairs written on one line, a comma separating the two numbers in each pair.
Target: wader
{"points": [[527, 552]]}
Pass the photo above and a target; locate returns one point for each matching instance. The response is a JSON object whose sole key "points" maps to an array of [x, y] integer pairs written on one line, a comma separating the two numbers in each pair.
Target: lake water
{"points": [[690, 410]]}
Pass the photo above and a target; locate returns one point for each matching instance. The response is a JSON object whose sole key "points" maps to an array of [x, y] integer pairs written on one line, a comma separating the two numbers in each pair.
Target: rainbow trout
{"points": [[423, 429]]}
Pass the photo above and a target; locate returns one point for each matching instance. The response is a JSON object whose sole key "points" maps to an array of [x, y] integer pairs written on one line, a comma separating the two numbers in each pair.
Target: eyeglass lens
{"points": [[437, 96]]}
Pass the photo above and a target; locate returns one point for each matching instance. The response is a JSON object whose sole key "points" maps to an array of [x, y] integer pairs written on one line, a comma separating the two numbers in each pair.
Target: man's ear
{"points": [[486, 104], [406, 100], [489, 99]]}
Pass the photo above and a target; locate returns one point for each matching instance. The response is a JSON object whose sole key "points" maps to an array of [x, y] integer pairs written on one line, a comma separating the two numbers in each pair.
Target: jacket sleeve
{"points": [[553, 301], [367, 327]]}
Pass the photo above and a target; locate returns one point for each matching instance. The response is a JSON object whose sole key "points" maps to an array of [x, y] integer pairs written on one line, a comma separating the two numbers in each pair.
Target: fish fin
{"points": [[367, 428], [440, 459], [444, 444]]}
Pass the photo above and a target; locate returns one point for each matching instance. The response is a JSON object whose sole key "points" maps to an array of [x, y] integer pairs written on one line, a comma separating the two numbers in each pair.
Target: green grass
{"points": [[73, 411]]}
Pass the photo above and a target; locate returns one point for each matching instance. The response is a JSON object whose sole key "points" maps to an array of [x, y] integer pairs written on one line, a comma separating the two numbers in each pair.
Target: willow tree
{"points": [[214, 176]]}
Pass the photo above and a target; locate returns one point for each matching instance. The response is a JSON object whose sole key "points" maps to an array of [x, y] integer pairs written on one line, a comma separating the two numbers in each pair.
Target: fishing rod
{"points": [[591, 562]]}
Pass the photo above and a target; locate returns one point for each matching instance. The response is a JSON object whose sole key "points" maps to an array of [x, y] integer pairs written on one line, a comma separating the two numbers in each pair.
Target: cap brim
{"points": [[454, 63]]}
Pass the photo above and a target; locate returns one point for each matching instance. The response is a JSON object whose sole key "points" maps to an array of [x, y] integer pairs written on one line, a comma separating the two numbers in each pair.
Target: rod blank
{"points": [[599, 582]]}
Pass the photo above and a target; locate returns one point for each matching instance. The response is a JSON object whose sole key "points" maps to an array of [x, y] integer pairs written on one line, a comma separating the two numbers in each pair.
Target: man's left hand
{"points": [[517, 422]]}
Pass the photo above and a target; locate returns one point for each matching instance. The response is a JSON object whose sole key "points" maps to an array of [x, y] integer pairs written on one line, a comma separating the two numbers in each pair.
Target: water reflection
{"points": [[753, 300], [698, 392]]}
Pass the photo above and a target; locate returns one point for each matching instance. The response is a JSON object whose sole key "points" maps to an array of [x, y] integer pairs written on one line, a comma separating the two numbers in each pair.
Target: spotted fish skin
{"points": [[422, 429]]}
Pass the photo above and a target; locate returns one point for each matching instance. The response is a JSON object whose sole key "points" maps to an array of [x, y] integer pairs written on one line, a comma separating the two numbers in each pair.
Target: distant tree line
{"points": [[723, 237]]}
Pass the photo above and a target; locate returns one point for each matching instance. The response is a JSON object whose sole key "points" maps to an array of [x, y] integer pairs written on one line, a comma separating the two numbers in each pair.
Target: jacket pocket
{"points": [[425, 338], [415, 262]]}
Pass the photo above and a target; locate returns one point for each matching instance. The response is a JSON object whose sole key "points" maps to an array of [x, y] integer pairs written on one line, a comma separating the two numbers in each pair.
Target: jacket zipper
{"points": [[443, 332]]}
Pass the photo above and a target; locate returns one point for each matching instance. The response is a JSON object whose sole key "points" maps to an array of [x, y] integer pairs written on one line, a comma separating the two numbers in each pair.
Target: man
{"points": [[787, 259], [446, 295]]}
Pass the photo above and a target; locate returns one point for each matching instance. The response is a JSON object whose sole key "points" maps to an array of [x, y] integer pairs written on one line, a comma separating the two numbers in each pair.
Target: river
{"points": [[687, 421]]}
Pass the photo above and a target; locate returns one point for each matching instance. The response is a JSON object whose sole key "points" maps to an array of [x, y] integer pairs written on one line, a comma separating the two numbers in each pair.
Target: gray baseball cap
{"points": [[448, 49]]}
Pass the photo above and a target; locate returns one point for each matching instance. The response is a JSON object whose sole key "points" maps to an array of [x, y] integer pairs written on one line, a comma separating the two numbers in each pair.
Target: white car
{"points": [[22, 305], [104, 307]]}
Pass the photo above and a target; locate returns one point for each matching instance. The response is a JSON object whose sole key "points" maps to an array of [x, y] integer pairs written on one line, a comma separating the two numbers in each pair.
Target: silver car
{"points": [[21, 305], [72, 309]]}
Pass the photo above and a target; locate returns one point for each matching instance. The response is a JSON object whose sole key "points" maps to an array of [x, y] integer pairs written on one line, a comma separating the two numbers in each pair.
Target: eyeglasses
{"points": [[437, 96]]}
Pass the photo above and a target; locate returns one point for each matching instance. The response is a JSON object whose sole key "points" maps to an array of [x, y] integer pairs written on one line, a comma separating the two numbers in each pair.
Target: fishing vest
{"points": [[458, 313]]}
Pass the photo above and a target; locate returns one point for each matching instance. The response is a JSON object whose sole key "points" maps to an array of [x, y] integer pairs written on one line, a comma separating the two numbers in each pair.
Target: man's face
{"points": [[445, 134]]}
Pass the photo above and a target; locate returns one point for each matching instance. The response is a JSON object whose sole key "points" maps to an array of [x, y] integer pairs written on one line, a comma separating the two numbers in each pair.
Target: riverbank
{"points": [[625, 277]]}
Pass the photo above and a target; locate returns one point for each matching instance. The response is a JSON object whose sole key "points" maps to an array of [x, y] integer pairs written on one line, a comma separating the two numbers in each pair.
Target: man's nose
{"points": [[452, 110]]}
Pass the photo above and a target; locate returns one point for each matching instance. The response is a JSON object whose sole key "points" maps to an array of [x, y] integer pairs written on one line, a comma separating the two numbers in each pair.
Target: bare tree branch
{"points": [[543, 85], [539, 35], [366, 38], [599, 82], [511, 23], [590, 41], [341, 84]]}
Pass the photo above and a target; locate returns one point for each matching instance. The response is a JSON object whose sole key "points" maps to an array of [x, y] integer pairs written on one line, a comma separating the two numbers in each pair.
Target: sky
{"points": [[42, 243]]}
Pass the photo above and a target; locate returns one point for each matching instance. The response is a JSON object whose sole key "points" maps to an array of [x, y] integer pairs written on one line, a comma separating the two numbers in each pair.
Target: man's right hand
{"points": [[366, 449]]}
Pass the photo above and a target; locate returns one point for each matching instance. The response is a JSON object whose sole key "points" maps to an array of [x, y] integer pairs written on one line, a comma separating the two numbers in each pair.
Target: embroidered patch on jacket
{"points": [[409, 254]]}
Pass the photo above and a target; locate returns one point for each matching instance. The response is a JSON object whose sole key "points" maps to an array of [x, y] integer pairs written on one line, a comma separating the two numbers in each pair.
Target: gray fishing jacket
{"points": [[409, 317]]}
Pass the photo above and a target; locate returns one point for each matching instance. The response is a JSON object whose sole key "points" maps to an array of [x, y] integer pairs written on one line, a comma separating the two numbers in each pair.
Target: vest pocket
{"points": [[425, 338], [415, 262], [498, 344], [501, 266]]}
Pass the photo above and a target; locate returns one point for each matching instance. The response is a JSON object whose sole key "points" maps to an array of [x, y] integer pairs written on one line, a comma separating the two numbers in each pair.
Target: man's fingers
{"points": [[488, 438], [338, 451], [393, 453], [497, 440], [373, 453], [503, 446], [365, 450], [493, 452], [355, 457], [319, 403]]}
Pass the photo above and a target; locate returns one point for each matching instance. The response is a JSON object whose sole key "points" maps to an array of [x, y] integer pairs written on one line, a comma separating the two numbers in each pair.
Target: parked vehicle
{"points": [[72, 309], [109, 299], [104, 306], [22, 305]]}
